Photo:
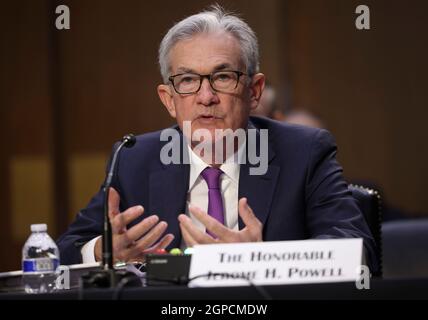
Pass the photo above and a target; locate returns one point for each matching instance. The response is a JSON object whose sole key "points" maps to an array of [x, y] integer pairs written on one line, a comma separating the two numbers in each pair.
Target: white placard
{"points": [[276, 262]]}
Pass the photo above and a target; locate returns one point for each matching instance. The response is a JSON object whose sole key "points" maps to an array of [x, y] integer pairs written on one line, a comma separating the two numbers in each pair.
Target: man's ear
{"points": [[165, 95], [257, 86]]}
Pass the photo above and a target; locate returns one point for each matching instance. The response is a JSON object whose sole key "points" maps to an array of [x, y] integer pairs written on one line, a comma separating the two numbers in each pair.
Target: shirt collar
{"points": [[197, 165]]}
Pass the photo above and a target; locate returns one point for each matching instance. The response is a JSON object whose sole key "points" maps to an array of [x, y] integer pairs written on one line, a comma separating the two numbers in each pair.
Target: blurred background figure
{"points": [[268, 106], [304, 118]]}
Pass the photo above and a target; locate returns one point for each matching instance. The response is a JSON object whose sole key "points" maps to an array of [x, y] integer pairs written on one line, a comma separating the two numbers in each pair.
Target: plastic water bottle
{"points": [[40, 260]]}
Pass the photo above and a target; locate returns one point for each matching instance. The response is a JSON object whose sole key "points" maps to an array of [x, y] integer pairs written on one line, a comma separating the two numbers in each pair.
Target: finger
{"points": [[188, 240], [165, 241], [162, 244], [151, 237], [137, 231], [113, 203], [247, 215], [253, 227], [210, 223], [198, 236], [120, 221]]}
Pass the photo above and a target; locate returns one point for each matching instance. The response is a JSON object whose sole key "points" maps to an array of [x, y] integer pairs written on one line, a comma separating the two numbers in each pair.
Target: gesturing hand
{"points": [[132, 244], [192, 235]]}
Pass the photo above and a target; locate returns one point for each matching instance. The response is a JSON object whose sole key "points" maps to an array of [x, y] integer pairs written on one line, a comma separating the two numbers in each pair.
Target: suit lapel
{"points": [[258, 189], [168, 194]]}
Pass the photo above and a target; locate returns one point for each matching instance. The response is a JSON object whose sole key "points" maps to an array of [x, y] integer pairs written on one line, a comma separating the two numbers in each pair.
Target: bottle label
{"points": [[40, 265]]}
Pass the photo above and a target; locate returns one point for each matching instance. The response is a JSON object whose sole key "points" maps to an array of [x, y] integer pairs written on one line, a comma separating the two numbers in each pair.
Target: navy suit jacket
{"points": [[302, 195]]}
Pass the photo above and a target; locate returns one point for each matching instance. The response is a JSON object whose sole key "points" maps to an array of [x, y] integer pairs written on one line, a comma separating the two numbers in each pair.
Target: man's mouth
{"points": [[207, 119]]}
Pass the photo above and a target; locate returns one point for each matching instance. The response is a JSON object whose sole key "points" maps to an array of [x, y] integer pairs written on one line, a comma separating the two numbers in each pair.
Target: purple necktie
{"points": [[215, 203]]}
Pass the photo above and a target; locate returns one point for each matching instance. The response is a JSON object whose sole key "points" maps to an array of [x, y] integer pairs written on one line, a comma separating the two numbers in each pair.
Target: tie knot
{"points": [[211, 176]]}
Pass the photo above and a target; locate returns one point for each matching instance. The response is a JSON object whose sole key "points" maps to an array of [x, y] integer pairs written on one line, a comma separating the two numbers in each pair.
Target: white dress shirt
{"points": [[197, 195]]}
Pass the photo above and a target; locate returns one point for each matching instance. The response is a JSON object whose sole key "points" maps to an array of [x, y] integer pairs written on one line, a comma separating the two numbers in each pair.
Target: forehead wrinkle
{"points": [[219, 67], [185, 70]]}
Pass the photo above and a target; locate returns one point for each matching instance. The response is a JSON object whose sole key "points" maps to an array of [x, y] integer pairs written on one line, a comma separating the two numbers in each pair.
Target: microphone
{"points": [[108, 277], [128, 141]]}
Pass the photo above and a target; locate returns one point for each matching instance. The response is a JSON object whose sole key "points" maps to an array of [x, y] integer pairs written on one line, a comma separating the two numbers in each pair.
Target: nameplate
{"points": [[276, 262]]}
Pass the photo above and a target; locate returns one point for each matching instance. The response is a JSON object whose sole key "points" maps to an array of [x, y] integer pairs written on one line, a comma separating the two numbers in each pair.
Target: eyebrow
{"points": [[185, 70], [222, 66]]}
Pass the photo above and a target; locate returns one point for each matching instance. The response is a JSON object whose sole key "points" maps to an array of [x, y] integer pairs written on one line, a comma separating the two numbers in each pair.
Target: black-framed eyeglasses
{"points": [[222, 81]]}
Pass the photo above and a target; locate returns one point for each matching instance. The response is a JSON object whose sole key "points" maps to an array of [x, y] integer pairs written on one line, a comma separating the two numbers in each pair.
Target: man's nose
{"points": [[206, 95]]}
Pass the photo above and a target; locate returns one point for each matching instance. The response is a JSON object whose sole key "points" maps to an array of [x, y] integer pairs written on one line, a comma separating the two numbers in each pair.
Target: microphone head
{"points": [[129, 140]]}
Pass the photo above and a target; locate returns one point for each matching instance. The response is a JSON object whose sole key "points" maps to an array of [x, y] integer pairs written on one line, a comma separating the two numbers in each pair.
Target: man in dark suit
{"points": [[209, 64]]}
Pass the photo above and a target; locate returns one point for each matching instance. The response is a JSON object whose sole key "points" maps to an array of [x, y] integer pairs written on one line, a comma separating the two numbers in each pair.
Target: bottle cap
{"points": [[41, 227]]}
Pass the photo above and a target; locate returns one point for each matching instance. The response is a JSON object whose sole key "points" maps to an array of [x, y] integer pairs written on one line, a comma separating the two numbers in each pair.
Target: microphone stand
{"points": [[108, 277]]}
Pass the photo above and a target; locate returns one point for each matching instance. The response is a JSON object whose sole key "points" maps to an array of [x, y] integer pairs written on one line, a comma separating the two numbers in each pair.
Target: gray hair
{"points": [[213, 20]]}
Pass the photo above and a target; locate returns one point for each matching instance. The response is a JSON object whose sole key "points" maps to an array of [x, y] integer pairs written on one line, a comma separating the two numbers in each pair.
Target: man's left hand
{"points": [[192, 235]]}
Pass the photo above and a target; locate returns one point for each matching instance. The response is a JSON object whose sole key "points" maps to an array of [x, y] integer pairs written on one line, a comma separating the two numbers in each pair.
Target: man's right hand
{"points": [[132, 244]]}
